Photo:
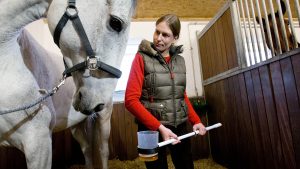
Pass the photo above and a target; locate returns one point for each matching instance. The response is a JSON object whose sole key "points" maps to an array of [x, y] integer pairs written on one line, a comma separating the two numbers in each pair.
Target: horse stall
{"points": [[252, 86], [249, 61]]}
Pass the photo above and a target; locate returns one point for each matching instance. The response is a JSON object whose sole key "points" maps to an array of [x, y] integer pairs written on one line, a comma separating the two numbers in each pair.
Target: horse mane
{"points": [[283, 9]]}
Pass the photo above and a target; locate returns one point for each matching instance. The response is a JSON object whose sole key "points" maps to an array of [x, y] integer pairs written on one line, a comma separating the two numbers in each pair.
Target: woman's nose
{"points": [[159, 37]]}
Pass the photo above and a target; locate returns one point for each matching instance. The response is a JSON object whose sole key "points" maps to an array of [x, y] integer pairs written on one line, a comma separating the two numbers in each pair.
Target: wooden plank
{"points": [[210, 55], [215, 138], [69, 149], [293, 104], [283, 116], [114, 133], [227, 40], [254, 120], [240, 141], [227, 109], [232, 131], [122, 135], [262, 120], [203, 57], [247, 129], [270, 109], [16, 159], [215, 57], [230, 43], [58, 149], [296, 67], [200, 145], [130, 134], [3, 157], [221, 45], [134, 141]]}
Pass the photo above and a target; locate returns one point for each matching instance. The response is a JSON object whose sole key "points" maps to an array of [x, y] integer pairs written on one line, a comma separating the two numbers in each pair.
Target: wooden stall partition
{"points": [[259, 108], [123, 140], [217, 46]]}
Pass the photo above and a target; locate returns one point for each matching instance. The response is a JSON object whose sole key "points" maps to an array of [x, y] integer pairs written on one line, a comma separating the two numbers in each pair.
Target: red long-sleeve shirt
{"points": [[134, 91]]}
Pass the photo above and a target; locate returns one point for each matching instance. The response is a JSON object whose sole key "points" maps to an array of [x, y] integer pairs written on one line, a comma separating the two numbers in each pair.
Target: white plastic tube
{"points": [[188, 135]]}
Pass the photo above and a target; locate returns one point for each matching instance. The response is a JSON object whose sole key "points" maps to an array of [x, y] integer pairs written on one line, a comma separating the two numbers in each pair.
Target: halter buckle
{"points": [[72, 11], [92, 63]]}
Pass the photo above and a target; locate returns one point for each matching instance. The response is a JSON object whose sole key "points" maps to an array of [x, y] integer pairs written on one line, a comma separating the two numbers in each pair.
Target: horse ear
{"points": [[257, 20], [286, 21], [263, 21]]}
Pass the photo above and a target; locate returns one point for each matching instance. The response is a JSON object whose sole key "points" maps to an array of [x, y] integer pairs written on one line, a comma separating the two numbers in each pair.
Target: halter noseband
{"points": [[91, 63]]}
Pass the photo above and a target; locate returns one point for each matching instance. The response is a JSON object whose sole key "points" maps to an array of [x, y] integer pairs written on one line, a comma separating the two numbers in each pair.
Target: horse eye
{"points": [[116, 23]]}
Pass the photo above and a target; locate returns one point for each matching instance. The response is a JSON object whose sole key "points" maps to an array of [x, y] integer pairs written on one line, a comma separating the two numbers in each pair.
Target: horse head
{"points": [[92, 36], [268, 22]]}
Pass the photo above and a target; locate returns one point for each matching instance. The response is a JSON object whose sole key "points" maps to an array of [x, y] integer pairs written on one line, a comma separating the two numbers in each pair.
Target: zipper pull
{"points": [[172, 75]]}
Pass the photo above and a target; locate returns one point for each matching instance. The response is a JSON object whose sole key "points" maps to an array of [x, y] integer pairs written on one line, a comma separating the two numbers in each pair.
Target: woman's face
{"points": [[163, 37]]}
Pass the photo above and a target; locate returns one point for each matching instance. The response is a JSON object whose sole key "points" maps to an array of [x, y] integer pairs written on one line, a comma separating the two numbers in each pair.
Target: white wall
{"points": [[40, 31]]}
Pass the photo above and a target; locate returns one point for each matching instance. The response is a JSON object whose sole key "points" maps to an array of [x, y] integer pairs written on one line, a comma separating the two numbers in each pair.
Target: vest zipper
{"points": [[172, 76], [173, 85]]}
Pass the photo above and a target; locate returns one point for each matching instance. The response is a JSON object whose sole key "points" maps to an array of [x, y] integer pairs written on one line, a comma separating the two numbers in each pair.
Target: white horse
{"points": [[92, 36]]}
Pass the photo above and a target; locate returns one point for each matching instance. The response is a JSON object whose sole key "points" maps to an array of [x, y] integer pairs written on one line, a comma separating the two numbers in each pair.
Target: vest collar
{"points": [[149, 49]]}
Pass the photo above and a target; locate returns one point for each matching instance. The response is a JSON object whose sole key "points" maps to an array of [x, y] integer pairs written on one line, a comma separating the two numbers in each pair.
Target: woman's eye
{"points": [[116, 23], [165, 35]]}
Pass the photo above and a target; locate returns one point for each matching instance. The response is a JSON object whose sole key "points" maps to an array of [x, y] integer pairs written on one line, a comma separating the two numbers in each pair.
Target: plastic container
{"points": [[147, 139], [147, 145]]}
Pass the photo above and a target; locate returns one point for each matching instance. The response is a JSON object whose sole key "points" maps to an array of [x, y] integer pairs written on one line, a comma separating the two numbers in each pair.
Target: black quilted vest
{"points": [[164, 84]]}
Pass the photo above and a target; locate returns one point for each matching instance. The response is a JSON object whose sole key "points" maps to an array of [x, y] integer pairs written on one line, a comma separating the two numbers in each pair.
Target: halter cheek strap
{"points": [[92, 62]]}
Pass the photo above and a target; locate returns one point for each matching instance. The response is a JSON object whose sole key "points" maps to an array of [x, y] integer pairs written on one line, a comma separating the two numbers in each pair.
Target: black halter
{"points": [[91, 63]]}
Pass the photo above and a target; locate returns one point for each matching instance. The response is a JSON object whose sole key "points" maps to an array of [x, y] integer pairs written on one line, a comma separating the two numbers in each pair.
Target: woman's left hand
{"points": [[200, 127]]}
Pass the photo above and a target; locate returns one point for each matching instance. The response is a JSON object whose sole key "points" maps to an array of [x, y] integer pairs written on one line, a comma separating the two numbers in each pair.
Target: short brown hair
{"points": [[173, 22]]}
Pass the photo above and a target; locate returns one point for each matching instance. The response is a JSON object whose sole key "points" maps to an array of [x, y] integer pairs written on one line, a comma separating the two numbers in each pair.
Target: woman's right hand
{"points": [[167, 134]]}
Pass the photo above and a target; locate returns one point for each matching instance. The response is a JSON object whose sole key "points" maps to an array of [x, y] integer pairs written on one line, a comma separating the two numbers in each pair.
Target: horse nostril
{"points": [[99, 107], [79, 96]]}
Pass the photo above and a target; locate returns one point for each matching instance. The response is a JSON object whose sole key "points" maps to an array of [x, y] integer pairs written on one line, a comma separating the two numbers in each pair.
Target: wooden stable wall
{"points": [[123, 144], [260, 112], [217, 48], [258, 106]]}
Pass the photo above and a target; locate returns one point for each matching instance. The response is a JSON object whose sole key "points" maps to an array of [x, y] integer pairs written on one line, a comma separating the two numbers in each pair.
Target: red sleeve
{"points": [[133, 93], [193, 117]]}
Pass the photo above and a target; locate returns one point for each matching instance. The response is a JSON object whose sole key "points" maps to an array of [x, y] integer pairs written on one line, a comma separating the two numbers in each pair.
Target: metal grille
{"points": [[269, 28]]}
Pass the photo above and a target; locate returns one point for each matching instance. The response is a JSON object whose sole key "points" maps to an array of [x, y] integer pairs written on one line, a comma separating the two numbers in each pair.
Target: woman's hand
{"points": [[199, 127], [167, 134]]}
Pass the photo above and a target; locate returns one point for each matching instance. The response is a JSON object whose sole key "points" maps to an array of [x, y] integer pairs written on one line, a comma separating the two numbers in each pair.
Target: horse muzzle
{"points": [[98, 108]]}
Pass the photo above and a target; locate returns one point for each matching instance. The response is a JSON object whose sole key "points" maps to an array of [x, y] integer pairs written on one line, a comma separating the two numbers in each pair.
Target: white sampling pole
{"points": [[188, 135]]}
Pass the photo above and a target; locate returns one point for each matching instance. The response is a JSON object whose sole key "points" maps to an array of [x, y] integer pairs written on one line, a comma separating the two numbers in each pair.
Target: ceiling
{"points": [[188, 9], [185, 9]]}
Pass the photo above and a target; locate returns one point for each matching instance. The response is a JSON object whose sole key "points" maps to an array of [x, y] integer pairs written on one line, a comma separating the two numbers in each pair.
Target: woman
{"points": [[156, 96]]}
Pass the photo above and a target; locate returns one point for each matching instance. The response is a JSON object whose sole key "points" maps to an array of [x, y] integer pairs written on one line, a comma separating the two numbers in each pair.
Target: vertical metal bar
{"points": [[283, 30], [295, 43], [278, 47], [235, 15], [261, 28], [297, 8], [256, 32], [251, 31], [268, 28], [245, 31]]}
